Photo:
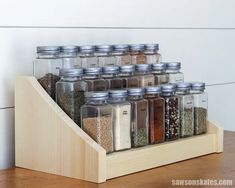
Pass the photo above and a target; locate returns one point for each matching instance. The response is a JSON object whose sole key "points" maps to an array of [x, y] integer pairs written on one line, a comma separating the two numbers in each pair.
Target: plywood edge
{"points": [[58, 146]]}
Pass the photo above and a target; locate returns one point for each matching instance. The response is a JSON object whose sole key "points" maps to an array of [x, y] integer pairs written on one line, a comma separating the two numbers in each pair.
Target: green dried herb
{"points": [[187, 127], [200, 120], [140, 137]]}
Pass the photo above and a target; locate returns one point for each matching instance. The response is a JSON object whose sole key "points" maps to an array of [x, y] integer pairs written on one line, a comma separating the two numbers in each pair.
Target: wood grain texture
{"points": [[213, 166]]}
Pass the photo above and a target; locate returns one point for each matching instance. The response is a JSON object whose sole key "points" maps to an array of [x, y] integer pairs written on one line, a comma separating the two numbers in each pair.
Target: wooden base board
{"points": [[48, 140]]}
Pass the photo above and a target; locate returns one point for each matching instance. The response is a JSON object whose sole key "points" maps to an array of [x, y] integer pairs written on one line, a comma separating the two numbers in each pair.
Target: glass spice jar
{"points": [[46, 68], [70, 92], [200, 107], [186, 107], [139, 114], [156, 114], [88, 58], [137, 54], [172, 116], [127, 74], [104, 55], [143, 72], [121, 119], [97, 119], [69, 57], [110, 74], [121, 54], [160, 75], [93, 78], [173, 69], [151, 52]]}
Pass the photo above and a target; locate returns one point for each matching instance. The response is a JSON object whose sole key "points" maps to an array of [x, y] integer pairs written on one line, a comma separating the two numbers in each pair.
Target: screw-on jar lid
{"points": [[51, 49], [118, 93], [110, 70], [71, 72], [153, 90], [173, 66], [135, 91], [183, 86], [168, 88], [87, 49], [97, 95], [198, 86], [127, 68], [93, 70], [137, 47], [104, 48], [143, 67], [158, 66], [121, 47], [69, 48], [152, 46]]}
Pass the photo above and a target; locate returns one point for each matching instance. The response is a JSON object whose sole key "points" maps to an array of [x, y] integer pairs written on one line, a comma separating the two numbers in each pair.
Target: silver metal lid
{"points": [[183, 86], [153, 90], [51, 49], [168, 88], [135, 91], [71, 72], [137, 47], [121, 47], [152, 46], [143, 67], [97, 95], [104, 48], [110, 70], [127, 68], [87, 48], [173, 66], [198, 86], [69, 48], [158, 66], [93, 70], [118, 93]]}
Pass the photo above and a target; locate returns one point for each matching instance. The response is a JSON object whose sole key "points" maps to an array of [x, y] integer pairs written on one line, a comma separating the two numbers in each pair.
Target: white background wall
{"points": [[199, 33]]}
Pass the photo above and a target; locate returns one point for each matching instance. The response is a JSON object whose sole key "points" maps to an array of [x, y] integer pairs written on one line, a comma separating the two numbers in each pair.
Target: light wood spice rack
{"points": [[47, 140]]}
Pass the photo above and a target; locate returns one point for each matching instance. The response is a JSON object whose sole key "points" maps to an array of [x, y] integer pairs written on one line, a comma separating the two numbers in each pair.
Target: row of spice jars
{"points": [[136, 117], [114, 77], [100, 55]]}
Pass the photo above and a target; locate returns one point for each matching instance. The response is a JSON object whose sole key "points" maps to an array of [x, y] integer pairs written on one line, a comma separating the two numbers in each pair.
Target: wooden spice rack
{"points": [[48, 140]]}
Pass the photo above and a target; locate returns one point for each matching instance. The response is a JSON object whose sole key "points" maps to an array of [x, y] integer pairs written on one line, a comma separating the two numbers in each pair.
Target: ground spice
{"points": [[140, 137], [187, 126], [48, 82], [200, 120]]}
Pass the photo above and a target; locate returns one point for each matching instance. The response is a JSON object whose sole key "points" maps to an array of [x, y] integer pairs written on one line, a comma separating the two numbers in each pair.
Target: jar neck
{"points": [[186, 92], [117, 99], [158, 72], [91, 77], [96, 102], [136, 97], [152, 95], [143, 72], [71, 79], [86, 54], [173, 71], [196, 91], [169, 94], [126, 74], [102, 54], [150, 52], [109, 75]]}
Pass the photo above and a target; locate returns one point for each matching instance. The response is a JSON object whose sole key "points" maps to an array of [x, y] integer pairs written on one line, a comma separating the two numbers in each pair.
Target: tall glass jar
{"points": [[127, 74], [140, 125], [104, 55], [121, 54], [93, 78], [156, 114], [69, 57], [88, 58], [97, 119], [172, 115], [121, 119], [70, 93], [46, 68], [160, 75], [110, 74], [200, 107], [143, 72], [151, 52], [186, 107], [137, 54], [173, 69]]}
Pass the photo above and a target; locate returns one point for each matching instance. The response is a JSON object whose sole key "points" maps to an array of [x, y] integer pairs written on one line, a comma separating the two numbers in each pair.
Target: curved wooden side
{"points": [[48, 140]]}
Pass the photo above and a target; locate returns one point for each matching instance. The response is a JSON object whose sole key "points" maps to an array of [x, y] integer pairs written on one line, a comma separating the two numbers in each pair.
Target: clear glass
{"points": [[70, 60], [156, 118], [160, 78], [152, 56], [172, 117], [46, 70], [129, 80], [95, 83], [88, 60], [113, 81], [175, 76], [97, 122], [145, 78], [122, 58], [186, 107], [105, 59], [138, 57], [121, 123], [139, 125], [70, 96], [200, 111]]}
